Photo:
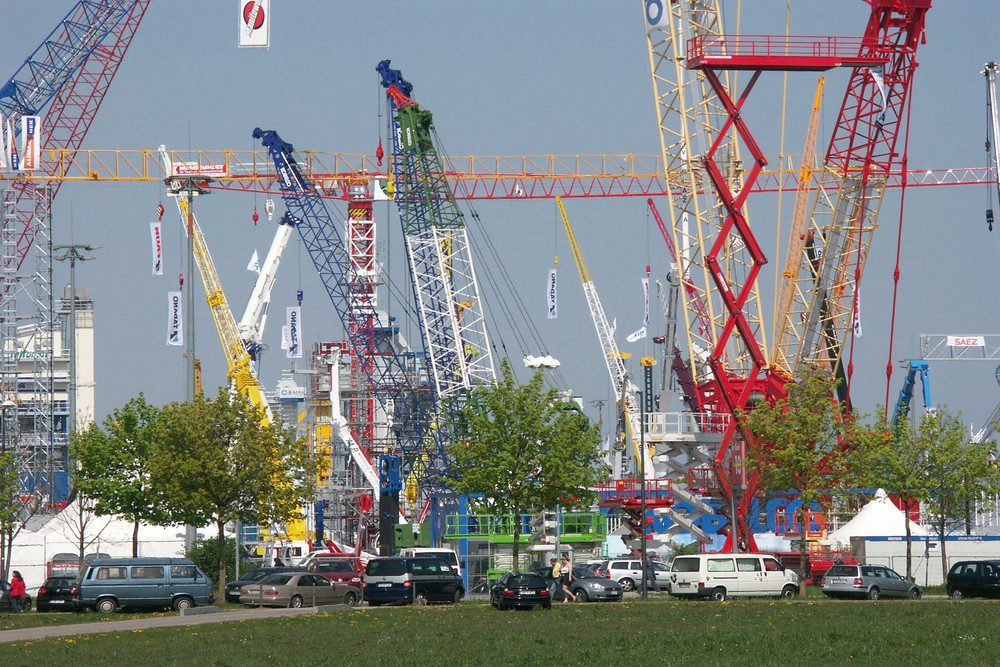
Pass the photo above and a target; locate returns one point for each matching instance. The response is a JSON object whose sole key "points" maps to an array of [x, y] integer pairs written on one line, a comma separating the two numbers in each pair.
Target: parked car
{"points": [[718, 576], [57, 593], [447, 555], [5, 601], [407, 580], [521, 590], [253, 576], [868, 581], [628, 572], [346, 570], [974, 578], [586, 586], [296, 589], [143, 583]]}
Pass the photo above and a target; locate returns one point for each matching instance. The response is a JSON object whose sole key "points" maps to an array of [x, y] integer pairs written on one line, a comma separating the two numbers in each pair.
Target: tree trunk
{"points": [[803, 551], [944, 548], [909, 540], [517, 538], [221, 594], [135, 538]]}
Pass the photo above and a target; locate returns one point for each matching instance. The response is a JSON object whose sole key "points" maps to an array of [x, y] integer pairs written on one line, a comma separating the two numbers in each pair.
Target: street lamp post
{"points": [[73, 252], [642, 488]]}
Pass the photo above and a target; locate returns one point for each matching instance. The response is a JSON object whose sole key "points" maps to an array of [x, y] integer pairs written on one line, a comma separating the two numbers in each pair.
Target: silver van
{"points": [[720, 575], [143, 583]]}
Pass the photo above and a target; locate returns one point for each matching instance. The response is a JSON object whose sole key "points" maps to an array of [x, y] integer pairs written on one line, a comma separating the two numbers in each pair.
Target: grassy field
{"points": [[657, 632]]}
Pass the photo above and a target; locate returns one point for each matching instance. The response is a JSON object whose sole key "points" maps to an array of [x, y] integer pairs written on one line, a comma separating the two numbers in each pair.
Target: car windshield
{"points": [[57, 582], [685, 565], [843, 571], [277, 579], [525, 580], [386, 568], [335, 566]]}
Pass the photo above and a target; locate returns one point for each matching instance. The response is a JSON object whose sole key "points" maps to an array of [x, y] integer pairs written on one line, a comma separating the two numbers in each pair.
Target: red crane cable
{"points": [[895, 272]]}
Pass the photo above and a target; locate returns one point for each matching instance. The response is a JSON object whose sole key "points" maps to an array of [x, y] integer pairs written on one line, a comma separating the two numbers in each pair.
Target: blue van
{"points": [[408, 580], [143, 583]]}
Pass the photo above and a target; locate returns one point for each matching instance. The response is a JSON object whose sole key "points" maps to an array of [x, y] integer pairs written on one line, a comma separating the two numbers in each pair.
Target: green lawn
{"points": [[658, 632]]}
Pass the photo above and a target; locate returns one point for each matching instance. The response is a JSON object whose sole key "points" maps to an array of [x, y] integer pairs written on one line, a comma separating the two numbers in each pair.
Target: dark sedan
{"points": [[520, 590], [586, 586], [252, 577], [57, 594]]}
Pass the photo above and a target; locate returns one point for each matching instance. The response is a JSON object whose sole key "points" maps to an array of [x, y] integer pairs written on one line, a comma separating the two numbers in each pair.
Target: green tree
{"points": [[114, 466], [205, 554], [215, 461], [10, 509], [799, 445], [525, 449]]}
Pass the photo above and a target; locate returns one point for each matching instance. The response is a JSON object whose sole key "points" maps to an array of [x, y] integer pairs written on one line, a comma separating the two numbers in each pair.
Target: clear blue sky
{"points": [[512, 78]]}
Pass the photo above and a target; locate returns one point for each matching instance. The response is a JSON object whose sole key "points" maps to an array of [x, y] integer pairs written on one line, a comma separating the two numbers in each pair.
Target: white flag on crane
{"points": [[645, 297], [157, 241], [255, 23], [14, 163], [31, 142], [636, 335], [175, 319], [4, 150], [880, 82], [857, 313], [550, 294], [254, 264], [293, 321], [656, 14]]}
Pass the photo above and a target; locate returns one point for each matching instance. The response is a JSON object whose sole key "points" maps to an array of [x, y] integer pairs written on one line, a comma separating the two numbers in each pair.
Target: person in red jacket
{"points": [[17, 591]]}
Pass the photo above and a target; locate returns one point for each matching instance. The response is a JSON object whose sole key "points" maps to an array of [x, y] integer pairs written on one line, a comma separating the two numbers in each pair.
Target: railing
{"points": [[705, 47], [575, 527], [660, 425], [657, 491]]}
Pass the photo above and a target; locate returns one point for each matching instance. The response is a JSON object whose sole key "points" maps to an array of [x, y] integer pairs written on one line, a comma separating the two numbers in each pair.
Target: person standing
{"points": [[556, 577], [650, 575], [566, 580], [17, 592]]}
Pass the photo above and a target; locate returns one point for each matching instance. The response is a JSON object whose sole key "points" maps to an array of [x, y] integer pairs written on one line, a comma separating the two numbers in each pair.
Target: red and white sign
{"points": [[31, 142], [255, 23], [199, 169], [966, 341]]}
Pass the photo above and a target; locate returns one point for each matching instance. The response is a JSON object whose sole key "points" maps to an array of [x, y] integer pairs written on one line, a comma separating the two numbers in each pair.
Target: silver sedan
{"points": [[868, 581], [297, 589]]}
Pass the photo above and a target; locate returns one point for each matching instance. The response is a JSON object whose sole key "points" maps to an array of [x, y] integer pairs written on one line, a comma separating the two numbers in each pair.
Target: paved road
{"points": [[197, 616]]}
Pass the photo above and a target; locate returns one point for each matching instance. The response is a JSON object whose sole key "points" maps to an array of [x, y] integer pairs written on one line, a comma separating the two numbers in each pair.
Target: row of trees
{"points": [[206, 462], [804, 444]]}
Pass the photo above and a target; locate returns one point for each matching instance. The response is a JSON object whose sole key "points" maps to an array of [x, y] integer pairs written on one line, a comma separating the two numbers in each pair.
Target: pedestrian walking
{"points": [[566, 580], [17, 592], [650, 575]]}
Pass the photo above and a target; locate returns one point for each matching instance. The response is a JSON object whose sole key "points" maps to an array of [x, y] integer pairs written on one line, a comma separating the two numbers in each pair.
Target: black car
{"points": [[252, 577], [5, 601], [57, 593], [974, 578], [521, 590], [586, 586]]}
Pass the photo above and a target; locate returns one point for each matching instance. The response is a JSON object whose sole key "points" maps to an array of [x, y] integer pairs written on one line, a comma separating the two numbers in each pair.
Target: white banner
{"points": [[857, 314], [175, 319], [550, 294], [255, 23], [284, 336], [157, 240], [15, 160], [645, 300], [254, 264], [31, 142], [294, 323], [656, 14], [4, 151], [966, 341], [636, 335]]}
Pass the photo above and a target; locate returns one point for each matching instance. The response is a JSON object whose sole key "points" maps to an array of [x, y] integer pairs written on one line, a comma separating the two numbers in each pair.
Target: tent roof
{"points": [[879, 517]]}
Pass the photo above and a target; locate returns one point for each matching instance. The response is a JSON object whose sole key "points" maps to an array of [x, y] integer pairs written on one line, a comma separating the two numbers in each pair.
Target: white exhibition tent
{"points": [[880, 517]]}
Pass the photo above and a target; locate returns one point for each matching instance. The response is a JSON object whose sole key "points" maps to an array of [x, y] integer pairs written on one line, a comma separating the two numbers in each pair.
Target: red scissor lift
{"points": [[887, 43]]}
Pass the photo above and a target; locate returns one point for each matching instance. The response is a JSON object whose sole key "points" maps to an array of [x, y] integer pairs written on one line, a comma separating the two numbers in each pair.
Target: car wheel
{"points": [[350, 599], [627, 584], [719, 594], [914, 593], [789, 591], [873, 593], [547, 605], [182, 603], [295, 602], [26, 604], [106, 605], [493, 602], [459, 594], [956, 594], [581, 595], [420, 597]]}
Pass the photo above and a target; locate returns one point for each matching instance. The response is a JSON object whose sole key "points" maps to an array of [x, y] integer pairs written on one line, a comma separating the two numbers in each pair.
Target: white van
{"points": [[447, 555], [720, 575]]}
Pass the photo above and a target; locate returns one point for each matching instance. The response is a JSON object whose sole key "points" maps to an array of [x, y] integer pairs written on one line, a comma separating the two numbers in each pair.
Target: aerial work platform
{"points": [[780, 52]]}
